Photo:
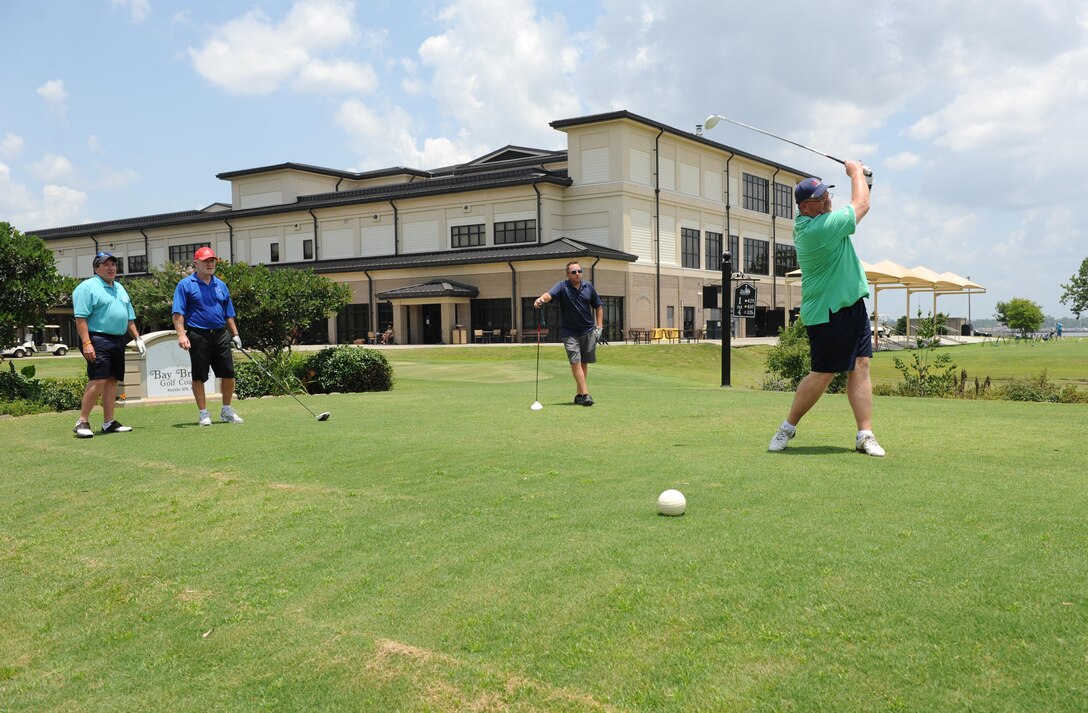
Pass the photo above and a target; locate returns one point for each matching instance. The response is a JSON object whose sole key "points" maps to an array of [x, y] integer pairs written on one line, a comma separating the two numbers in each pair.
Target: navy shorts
{"points": [[836, 345], [109, 357], [210, 348]]}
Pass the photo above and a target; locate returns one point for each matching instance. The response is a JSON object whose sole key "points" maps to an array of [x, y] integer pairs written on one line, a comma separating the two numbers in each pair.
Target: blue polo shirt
{"points": [[203, 306], [107, 308], [577, 307]]}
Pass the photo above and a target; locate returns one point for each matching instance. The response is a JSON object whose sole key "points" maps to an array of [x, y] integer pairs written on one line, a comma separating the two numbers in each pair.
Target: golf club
{"points": [[323, 416], [536, 404], [713, 119]]}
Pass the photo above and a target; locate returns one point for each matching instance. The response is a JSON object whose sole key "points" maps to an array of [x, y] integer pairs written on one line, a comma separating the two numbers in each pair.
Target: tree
{"points": [[29, 282], [1020, 314], [275, 306], [1076, 292]]}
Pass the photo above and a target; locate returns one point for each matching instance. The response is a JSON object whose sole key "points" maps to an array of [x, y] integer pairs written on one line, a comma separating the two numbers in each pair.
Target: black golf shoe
{"points": [[587, 401], [580, 400]]}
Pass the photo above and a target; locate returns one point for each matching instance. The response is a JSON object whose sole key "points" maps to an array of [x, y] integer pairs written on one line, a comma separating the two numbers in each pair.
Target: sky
{"points": [[971, 114]]}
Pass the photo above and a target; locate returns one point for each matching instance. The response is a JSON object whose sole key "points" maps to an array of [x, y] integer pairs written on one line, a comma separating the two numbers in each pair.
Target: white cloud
{"points": [[139, 9], [11, 145], [494, 70], [319, 75], [58, 205], [52, 167], [388, 138], [95, 144], [54, 94], [903, 160], [253, 55]]}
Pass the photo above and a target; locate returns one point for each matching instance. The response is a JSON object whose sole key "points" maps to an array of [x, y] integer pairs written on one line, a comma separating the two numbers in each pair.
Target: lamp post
{"points": [[727, 314]]}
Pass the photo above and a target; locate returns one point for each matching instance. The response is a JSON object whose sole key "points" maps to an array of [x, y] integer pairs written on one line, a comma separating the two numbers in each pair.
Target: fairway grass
{"points": [[441, 547]]}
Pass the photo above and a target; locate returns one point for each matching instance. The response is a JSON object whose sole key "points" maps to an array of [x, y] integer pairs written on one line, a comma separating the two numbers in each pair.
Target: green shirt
{"points": [[106, 308], [831, 273]]}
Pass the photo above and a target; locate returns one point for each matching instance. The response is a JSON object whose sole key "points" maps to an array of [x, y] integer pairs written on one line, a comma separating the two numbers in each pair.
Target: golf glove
{"points": [[140, 347], [597, 332], [236, 340]]}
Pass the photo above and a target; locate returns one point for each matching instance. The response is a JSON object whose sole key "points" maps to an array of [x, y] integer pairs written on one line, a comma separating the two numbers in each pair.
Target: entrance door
{"points": [[432, 324]]}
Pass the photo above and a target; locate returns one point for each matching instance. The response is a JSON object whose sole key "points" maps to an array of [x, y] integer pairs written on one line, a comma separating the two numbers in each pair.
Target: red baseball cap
{"points": [[205, 253]]}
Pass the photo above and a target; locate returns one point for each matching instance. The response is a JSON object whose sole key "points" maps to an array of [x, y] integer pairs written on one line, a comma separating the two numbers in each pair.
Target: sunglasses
{"points": [[576, 272]]}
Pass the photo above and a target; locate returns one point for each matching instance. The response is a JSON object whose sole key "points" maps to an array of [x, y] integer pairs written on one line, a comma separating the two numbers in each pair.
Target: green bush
{"points": [[350, 369], [1039, 389], [251, 381], [788, 362], [20, 388]]}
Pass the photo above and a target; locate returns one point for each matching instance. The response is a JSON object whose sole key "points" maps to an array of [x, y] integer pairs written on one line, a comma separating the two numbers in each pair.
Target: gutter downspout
{"points": [[539, 227], [513, 295], [336, 188], [593, 272], [147, 252], [772, 258], [396, 224], [230, 237], [370, 301], [657, 227], [312, 215]]}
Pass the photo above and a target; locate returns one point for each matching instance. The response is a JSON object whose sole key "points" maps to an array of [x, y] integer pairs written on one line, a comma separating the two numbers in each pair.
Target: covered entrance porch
{"points": [[433, 312]]}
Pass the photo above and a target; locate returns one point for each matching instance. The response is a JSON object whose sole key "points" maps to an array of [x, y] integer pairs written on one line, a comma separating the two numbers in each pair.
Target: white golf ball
{"points": [[671, 502]]}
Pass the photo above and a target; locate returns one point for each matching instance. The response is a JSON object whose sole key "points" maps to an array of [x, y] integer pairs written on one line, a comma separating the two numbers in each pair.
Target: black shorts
{"points": [[109, 357], [836, 345], [210, 348]]}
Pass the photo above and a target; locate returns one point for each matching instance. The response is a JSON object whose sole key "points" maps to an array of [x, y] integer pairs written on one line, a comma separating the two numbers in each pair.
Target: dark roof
{"points": [[434, 288], [335, 172], [559, 248], [619, 115], [375, 194]]}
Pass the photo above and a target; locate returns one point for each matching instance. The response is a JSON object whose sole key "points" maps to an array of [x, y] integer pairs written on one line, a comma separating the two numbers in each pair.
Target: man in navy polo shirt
{"points": [[103, 313], [581, 318], [204, 321]]}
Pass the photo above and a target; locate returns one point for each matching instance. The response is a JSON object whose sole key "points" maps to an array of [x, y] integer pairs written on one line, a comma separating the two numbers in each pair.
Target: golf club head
{"points": [[537, 406], [323, 416]]}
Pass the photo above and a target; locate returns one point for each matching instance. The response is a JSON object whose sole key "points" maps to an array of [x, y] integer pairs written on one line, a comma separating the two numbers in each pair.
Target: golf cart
{"points": [[51, 342], [19, 350]]}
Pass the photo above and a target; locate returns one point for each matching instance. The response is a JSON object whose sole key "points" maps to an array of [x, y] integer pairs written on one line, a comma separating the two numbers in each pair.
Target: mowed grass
{"points": [[441, 547]]}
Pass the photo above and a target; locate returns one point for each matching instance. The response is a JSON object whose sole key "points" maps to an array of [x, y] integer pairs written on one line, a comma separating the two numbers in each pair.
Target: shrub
{"points": [[350, 369], [251, 381], [1036, 389], [18, 389], [22, 407], [788, 362]]}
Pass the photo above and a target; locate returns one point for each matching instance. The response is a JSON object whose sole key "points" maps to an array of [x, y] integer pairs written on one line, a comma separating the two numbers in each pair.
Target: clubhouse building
{"points": [[459, 253]]}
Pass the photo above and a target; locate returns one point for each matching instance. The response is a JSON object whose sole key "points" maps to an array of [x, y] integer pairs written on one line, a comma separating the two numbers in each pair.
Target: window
{"points": [[755, 256], [274, 252], [515, 231], [137, 263], [734, 250], [308, 249], [613, 318], [467, 236], [713, 251], [183, 254], [783, 200], [689, 247], [490, 314], [785, 259], [755, 193], [120, 265], [352, 322]]}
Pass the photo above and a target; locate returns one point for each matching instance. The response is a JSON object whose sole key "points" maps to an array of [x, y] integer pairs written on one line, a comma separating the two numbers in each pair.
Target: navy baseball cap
{"points": [[809, 188], [103, 257]]}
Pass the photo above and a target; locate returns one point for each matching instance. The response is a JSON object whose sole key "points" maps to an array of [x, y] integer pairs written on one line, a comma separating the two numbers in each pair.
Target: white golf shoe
{"points": [[781, 439], [866, 443], [227, 415]]}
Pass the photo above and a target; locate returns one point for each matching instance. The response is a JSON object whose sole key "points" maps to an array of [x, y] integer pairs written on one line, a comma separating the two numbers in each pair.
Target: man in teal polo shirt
{"points": [[833, 292], [103, 314]]}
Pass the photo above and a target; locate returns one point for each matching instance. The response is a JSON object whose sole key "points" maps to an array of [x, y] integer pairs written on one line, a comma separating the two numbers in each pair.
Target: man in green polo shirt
{"points": [[833, 310], [104, 315]]}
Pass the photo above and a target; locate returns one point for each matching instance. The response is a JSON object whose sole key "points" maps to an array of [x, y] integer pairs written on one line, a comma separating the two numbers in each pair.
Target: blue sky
{"points": [[970, 113]]}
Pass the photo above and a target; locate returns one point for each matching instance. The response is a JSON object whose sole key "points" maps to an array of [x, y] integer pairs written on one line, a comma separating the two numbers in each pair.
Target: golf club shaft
{"points": [[538, 353], [273, 378], [868, 171]]}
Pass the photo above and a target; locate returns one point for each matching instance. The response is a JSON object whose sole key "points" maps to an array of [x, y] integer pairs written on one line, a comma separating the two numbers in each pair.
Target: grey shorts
{"points": [[582, 348]]}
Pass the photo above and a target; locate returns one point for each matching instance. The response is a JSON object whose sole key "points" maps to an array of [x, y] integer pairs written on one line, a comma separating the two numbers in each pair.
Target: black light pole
{"points": [[727, 314]]}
